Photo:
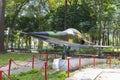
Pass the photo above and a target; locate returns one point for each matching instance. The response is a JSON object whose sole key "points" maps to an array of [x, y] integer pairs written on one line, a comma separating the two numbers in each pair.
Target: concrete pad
{"points": [[61, 64], [96, 74]]}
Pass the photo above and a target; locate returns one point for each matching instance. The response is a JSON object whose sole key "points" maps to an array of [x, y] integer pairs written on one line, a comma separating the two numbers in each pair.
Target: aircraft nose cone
{"points": [[79, 35]]}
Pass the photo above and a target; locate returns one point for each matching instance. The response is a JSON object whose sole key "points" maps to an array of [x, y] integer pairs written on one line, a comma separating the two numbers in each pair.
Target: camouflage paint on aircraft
{"points": [[71, 35]]}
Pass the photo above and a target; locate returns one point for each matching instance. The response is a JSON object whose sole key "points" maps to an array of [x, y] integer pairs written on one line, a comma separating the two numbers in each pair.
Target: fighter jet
{"points": [[69, 38]]}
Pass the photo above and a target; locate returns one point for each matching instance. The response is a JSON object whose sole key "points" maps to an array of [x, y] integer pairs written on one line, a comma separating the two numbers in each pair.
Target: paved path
{"points": [[96, 74]]}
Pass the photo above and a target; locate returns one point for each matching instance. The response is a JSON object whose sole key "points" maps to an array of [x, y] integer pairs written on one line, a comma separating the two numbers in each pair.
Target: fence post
{"points": [[68, 67], [94, 61], [40, 57], [10, 60], [79, 64], [45, 71], [46, 55], [110, 61], [33, 59], [55, 54], [118, 56], [0, 75]]}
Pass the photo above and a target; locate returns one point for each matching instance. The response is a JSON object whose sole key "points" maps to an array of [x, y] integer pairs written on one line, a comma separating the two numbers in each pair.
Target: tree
{"points": [[13, 8], [78, 16], [2, 12]]}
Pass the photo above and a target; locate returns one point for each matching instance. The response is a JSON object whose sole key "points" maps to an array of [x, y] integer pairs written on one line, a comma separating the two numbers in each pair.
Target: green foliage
{"points": [[62, 75], [18, 1], [14, 77], [115, 61], [31, 23], [33, 71], [59, 75], [54, 4], [77, 17], [88, 51], [24, 75], [107, 50]]}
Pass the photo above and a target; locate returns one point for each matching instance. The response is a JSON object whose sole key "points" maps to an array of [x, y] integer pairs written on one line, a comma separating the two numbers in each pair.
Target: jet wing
{"points": [[97, 46], [65, 43], [73, 45]]}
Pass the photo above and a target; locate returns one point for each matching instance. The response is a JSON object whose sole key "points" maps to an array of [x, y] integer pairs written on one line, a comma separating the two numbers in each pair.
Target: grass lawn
{"points": [[16, 56], [4, 58]]}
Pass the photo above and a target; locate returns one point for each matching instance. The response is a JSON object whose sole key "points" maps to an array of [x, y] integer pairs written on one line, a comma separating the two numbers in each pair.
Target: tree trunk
{"points": [[29, 42], [108, 36], [65, 17], [103, 42], [2, 12], [40, 45], [117, 38], [100, 26], [19, 42]]}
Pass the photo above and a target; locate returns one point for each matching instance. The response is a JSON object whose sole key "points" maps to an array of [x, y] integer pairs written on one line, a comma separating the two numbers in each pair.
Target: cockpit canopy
{"points": [[72, 31]]}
